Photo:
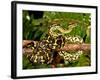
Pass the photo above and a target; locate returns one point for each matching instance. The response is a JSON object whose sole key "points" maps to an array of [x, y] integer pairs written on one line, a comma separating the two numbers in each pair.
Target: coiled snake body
{"points": [[44, 51]]}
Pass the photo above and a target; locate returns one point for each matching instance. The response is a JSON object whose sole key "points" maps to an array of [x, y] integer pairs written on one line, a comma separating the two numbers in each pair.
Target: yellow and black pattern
{"points": [[44, 51], [67, 56]]}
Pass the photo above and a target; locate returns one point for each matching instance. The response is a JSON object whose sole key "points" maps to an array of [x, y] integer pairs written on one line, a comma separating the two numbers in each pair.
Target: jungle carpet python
{"points": [[45, 51]]}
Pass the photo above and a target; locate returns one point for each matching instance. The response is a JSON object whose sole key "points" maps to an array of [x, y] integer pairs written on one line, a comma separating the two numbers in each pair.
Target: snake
{"points": [[68, 56], [43, 51]]}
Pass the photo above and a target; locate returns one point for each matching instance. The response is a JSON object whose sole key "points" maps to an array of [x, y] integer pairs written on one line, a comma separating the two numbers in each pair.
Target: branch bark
{"points": [[67, 47], [26, 42], [76, 47]]}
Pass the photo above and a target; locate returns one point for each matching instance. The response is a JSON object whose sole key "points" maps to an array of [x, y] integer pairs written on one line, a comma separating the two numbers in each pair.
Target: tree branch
{"points": [[76, 47], [67, 47]]}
